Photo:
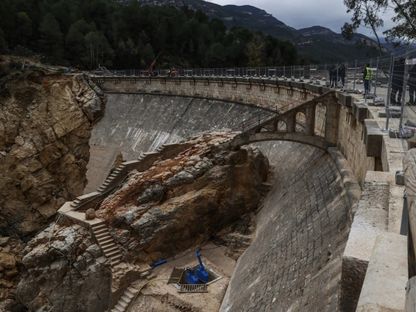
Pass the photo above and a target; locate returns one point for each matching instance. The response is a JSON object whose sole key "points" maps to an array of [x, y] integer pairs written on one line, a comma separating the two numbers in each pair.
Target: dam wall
{"points": [[273, 95], [138, 123], [143, 113]]}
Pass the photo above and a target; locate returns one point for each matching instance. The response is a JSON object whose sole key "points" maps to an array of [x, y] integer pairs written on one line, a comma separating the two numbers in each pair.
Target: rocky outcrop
{"points": [[45, 125], [65, 271], [10, 262], [184, 200]]}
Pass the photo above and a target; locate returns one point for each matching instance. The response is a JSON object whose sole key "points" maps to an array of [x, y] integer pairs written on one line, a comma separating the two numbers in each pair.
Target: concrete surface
{"points": [[294, 262], [135, 123], [385, 282]]}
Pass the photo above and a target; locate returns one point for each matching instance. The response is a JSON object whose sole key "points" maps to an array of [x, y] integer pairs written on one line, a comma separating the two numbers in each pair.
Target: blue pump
{"points": [[199, 275]]}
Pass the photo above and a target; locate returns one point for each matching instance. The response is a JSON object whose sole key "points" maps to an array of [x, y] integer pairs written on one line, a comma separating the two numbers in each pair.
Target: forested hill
{"points": [[314, 44], [122, 34]]}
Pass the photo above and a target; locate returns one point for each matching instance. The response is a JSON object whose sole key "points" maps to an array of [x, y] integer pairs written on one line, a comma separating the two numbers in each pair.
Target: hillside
{"points": [[315, 43], [322, 44], [124, 34]]}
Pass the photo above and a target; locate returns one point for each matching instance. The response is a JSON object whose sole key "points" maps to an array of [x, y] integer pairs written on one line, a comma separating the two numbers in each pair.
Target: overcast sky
{"points": [[305, 13]]}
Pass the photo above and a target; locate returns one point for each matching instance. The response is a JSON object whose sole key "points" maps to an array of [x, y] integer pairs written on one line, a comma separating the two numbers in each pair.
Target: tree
{"points": [[127, 34], [75, 47], [3, 42], [148, 55], [23, 28], [406, 21], [51, 38], [255, 49], [365, 12], [216, 55], [99, 50], [368, 13]]}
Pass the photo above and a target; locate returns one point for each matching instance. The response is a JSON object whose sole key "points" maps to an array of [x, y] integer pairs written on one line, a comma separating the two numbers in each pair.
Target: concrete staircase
{"points": [[125, 300], [111, 178], [106, 243]]}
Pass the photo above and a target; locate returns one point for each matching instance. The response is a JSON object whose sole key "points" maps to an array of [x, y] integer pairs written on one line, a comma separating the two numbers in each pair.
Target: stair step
{"points": [[129, 295], [113, 254], [110, 249], [100, 230], [125, 300], [98, 224], [132, 289], [114, 263], [107, 244], [99, 227], [102, 234], [103, 237], [104, 242], [122, 304], [116, 258]]}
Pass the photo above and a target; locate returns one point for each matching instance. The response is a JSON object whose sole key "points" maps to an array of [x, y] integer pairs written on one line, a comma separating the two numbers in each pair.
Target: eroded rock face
{"points": [[45, 125], [185, 200], [65, 271], [10, 261]]}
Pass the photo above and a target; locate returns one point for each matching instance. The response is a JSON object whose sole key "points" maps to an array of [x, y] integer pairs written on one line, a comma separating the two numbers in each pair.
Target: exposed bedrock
{"points": [[135, 123], [294, 261], [183, 201], [64, 271], [45, 126]]}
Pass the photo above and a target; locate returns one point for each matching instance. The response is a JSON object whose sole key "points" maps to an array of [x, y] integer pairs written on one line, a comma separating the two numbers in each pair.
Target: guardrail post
{"points": [[355, 75], [405, 80], [375, 84]]}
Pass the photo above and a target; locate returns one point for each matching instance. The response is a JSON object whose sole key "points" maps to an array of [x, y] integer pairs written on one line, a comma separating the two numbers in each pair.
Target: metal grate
{"points": [[193, 288], [175, 276]]}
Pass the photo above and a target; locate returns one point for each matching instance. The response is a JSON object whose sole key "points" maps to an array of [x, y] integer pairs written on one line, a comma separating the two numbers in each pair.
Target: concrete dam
{"points": [[287, 189], [294, 262]]}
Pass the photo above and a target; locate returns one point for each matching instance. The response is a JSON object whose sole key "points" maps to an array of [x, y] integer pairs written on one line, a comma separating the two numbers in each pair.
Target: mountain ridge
{"points": [[315, 43]]}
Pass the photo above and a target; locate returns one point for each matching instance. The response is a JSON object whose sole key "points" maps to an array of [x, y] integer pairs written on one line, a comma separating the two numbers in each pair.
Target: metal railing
{"points": [[392, 82]]}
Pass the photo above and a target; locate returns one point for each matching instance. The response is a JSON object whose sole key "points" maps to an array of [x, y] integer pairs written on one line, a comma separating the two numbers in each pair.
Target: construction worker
{"points": [[367, 77], [342, 73], [333, 76]]}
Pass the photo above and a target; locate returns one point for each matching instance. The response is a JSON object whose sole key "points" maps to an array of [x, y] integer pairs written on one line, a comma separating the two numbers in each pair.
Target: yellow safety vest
{"points": [[368, 74]]}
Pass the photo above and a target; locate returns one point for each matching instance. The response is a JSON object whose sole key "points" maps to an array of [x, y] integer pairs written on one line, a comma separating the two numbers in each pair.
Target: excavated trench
{"points": [[294, 261]]}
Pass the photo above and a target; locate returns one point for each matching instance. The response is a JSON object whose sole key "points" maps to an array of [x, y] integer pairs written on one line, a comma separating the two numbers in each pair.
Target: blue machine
{"points": [[199, 275]]}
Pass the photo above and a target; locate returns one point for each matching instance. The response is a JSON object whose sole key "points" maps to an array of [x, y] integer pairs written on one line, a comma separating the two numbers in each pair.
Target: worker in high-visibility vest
{"points": [[367, 77]]}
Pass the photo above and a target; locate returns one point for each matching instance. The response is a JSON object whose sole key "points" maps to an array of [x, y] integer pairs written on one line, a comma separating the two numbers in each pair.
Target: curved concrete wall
{"points": [[268, 94], [294, 262], [136, 123]]}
